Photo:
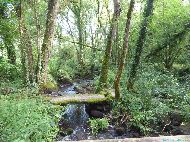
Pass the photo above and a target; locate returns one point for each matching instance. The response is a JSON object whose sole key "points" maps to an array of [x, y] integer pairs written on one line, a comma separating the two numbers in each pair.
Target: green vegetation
{"points": [[98, 125], [27, 118], [153, 103], [140, 49], [48, 86]]}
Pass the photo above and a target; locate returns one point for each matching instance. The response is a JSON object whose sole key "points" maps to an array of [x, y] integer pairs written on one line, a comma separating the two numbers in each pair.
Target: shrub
{"points": [[25, 118], [98, 124], [142, 112], [8, 71], [157, 95]]}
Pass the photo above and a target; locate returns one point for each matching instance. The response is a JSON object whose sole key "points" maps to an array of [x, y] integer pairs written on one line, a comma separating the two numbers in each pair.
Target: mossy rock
{"points": [[48, 87], [69, 131], [65, 132]]}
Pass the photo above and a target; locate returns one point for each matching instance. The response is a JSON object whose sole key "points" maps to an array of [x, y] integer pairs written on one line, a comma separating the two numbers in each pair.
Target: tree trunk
{"points": [[25, 47], [53, 7], [35, 7], [124, 51], [77, 10], [79, 26], [11, 54], [106, 60], [140, 42], [29, 51], [22, 47]]}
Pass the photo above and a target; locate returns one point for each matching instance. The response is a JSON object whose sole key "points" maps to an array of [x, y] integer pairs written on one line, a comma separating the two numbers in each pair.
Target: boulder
{"points": [[98, 110], [120, 131], [48, 87], [176, 118], [96, 114]]}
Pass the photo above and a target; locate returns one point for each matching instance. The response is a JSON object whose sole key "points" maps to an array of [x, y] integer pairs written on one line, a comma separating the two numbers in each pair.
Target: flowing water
{"points": [[76, 118], [75, 114]]}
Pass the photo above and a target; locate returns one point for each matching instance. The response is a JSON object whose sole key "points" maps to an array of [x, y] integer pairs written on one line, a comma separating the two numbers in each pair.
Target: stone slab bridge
{"points": [[81, 98]]}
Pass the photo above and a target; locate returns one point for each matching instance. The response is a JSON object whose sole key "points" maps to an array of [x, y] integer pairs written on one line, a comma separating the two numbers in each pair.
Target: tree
{"points": [[25, 46], [168, 33], [140, 42], [35, 6], [106, 60], [53, 7], [124, 50], [10, 47], [78, 14], [170, 48], [22, 47], [6, 32]]}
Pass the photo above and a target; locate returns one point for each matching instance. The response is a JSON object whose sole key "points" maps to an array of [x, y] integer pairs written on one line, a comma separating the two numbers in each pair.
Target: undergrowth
{"points": [[27, 118]]}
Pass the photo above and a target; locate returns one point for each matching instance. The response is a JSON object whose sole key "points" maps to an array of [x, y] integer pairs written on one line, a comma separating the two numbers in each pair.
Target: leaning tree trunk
{"points": [[124, 51], [53, 6], [106, 60], [140, 42]]}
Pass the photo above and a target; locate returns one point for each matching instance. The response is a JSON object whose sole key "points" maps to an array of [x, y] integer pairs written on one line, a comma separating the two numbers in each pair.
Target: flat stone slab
{"points": [[78, 98], [180, 138]]}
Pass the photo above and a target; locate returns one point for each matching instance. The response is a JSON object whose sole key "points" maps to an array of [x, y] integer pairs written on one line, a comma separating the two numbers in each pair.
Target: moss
{"points": [[48, 87], [62, 102], [80, 98], [108, 94], [69, 131]]}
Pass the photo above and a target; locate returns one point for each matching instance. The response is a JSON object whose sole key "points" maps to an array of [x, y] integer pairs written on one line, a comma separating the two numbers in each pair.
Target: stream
{"points": [[74, 122], [75, 118], [74, 115]]}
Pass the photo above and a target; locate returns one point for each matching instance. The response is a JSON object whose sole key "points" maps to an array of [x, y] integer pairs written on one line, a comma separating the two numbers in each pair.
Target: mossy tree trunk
{"points": [[35, 7], [29, 51], [124, 50], [76, 8], [140, 42], [7, 34], [106, 60], [26, 47], [53, 7], [22, 47], [11, 54]]}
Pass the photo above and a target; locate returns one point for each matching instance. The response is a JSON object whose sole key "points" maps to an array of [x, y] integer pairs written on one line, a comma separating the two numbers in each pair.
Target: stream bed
{"points": [[74, 120], [74, 124]]}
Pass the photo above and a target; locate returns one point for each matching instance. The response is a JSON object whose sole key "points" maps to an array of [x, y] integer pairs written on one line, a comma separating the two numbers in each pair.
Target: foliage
{"points": [[157, 95], [8, 71], [27, 118], [162, 84], [98, 124], [168, 32], [65, 66], [142, 112]]}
